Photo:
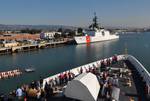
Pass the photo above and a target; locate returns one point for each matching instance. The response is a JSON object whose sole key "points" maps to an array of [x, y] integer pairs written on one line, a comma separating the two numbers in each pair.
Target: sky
{"points": [[127, 13]]}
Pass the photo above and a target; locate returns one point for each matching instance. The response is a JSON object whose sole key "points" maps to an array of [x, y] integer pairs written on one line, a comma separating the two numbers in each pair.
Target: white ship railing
{"points": [[77, 69], [142, 71], [138, 66]]}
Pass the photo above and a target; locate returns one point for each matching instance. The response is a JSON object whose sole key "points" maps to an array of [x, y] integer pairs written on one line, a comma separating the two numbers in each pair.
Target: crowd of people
{"points": [[107, 82], [37, 91], [25, 92]]}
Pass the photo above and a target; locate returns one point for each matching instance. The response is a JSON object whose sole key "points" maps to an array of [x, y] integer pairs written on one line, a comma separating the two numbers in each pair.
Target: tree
{"points": [[80, 30], [71, 34], [56, 36], [63, 35], [31, 31], [60, 30]]}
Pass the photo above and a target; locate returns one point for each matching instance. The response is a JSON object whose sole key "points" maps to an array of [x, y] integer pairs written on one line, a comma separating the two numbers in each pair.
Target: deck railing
{"points": [[142, 71], [139, 67], [76, 70]]}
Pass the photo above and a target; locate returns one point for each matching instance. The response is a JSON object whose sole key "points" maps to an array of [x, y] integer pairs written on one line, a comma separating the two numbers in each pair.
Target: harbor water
{"points": [[50, 61]]}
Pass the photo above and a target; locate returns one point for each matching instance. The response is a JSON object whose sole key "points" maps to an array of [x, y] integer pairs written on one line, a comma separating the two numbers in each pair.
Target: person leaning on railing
{"points": [[19, 93]]}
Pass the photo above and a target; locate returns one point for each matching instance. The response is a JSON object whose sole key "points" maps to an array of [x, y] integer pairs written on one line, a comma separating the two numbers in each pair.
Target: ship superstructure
{"points": [[95, 34]]}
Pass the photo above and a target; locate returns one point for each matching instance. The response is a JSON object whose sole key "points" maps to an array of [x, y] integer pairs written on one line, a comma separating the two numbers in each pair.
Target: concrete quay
{"points": [[29, 47]]}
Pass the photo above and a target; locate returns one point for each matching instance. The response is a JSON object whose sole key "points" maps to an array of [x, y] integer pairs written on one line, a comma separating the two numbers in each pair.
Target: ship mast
{"points": [[94, 25]]}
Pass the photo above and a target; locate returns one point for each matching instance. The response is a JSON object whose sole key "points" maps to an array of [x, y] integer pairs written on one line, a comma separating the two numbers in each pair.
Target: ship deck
{"points": [[135, 91]]}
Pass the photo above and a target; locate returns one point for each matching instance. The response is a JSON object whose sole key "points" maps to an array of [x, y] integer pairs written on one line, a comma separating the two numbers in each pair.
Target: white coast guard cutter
{"points": [[95, 34]]}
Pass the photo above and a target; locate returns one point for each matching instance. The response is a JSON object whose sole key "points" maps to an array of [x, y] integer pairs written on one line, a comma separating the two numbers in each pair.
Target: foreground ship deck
{"points": [[120, 78], [129, 91]]}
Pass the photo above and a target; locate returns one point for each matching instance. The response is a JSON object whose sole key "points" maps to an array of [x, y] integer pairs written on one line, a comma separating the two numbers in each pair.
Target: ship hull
{"points": [[91, 39]]}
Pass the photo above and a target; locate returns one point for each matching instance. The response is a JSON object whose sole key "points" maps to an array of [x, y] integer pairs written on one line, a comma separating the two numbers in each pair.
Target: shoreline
{"points": [[36, 47]]}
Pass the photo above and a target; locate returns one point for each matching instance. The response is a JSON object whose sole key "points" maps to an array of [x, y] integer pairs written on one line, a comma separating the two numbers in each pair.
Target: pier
{"points": [[28, 47]]}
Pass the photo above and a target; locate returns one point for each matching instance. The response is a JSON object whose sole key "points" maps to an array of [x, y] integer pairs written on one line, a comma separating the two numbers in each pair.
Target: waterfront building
{"points": [[11, 44], [49, 35]]}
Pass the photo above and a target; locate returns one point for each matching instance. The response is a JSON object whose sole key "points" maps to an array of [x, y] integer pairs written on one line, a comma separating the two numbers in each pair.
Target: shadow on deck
{"points": [[139, 84]]}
